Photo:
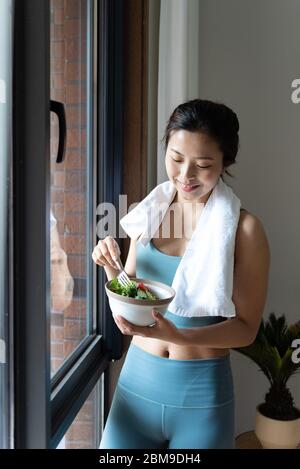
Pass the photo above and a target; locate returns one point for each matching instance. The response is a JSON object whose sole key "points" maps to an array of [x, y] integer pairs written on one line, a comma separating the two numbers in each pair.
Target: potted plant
{"points": [[277, 423]]}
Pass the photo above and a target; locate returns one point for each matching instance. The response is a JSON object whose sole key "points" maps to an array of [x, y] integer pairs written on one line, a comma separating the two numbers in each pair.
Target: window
{"points": [[72, 73], [6, 387], [76, 327]]}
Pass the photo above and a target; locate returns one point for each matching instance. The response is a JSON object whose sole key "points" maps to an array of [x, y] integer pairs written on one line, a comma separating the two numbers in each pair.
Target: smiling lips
{"points": [[187, 188]]}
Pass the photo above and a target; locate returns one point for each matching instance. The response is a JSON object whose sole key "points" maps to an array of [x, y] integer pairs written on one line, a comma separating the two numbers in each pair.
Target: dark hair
{"points": [[212, 118]]}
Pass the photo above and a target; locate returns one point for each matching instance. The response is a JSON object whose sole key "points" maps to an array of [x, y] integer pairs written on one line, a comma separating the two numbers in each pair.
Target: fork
{"points": [[122, 277]]}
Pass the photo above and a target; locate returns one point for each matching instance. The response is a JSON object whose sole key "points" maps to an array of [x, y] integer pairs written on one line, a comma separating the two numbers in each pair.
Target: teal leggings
{"points": [[165, 403]]}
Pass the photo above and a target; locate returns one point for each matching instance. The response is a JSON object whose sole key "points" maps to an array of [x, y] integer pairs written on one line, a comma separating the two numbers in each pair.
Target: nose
{"points": [[187, 173]]}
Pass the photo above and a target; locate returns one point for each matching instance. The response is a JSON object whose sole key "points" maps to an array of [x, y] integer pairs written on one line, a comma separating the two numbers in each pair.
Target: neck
{"points": [[187, 213], [195, 204]]}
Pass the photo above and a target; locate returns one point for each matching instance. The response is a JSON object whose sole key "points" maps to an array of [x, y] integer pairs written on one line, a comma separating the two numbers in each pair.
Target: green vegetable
{"points": [[134, 290]]}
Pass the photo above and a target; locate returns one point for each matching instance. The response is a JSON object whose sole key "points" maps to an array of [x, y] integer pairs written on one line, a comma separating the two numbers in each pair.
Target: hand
{"points": [[105, 252], [163, 329]]}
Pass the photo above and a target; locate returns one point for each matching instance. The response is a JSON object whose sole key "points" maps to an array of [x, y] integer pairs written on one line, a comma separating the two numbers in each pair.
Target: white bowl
{"points": [[136, 311]]}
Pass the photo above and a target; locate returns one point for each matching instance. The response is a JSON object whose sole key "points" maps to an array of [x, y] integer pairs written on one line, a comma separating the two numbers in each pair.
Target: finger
{"points": [[96, 260], [113, 247], [156, 314], [98, 255], [102, 246], [132, 329], [118, 324], [99, 260], [125, 326]]}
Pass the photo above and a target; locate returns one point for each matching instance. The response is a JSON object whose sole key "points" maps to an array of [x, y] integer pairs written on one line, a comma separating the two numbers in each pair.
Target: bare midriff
{"points": [[174, 247], [176, 352]]}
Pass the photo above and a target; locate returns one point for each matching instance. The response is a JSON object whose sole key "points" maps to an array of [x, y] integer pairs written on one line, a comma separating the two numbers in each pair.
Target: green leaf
{"points": [[130, 290], [271, 349]]}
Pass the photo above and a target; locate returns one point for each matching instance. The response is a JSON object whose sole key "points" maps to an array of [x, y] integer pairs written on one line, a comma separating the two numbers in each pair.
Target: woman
{"points": [[175, 389]]}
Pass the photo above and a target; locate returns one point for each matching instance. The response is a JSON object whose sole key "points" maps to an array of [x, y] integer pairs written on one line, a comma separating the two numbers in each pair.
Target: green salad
{"points": [[135, 290]]}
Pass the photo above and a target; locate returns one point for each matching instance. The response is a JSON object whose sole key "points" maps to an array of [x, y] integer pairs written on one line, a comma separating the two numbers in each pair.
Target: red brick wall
{"points": [[82, 432], [68, 189]]}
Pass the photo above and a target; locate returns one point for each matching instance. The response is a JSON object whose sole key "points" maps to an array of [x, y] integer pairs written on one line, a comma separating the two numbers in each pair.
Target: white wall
{"points": [[249, 55]]}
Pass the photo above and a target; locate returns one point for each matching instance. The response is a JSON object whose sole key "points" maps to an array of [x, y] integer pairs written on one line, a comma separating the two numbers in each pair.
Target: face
{"points": [[194, 163]]}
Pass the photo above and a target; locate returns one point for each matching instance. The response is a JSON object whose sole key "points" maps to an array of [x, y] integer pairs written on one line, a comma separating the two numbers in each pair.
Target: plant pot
{"points": [[277, 434]]}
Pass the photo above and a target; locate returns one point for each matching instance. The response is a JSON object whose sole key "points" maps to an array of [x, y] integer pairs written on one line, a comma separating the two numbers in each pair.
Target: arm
{"points": [[130, 269], [130, 266], [250, 287]]}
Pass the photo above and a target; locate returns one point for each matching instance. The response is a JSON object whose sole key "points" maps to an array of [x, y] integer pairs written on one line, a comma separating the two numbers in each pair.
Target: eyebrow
{"points": [[197, 158]]}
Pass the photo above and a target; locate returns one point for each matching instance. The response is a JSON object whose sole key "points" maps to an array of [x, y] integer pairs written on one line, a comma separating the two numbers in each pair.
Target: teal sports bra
{"points": [[154, 264]]}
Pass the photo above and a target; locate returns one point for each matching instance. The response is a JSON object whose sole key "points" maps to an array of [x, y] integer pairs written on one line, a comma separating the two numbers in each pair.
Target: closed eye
{"points": [[203, 167]]}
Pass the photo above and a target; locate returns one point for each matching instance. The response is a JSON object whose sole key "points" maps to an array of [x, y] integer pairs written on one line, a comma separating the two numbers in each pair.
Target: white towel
{"points": [[203, 281]]}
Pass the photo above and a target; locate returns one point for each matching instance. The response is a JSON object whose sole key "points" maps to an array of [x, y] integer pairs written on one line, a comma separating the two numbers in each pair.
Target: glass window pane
{"points": [[84, 432], [71, 188], [6, 10]]}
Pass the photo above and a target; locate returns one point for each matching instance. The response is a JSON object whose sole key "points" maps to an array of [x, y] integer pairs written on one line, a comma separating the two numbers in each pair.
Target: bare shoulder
{"points": [[251, 237]]}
